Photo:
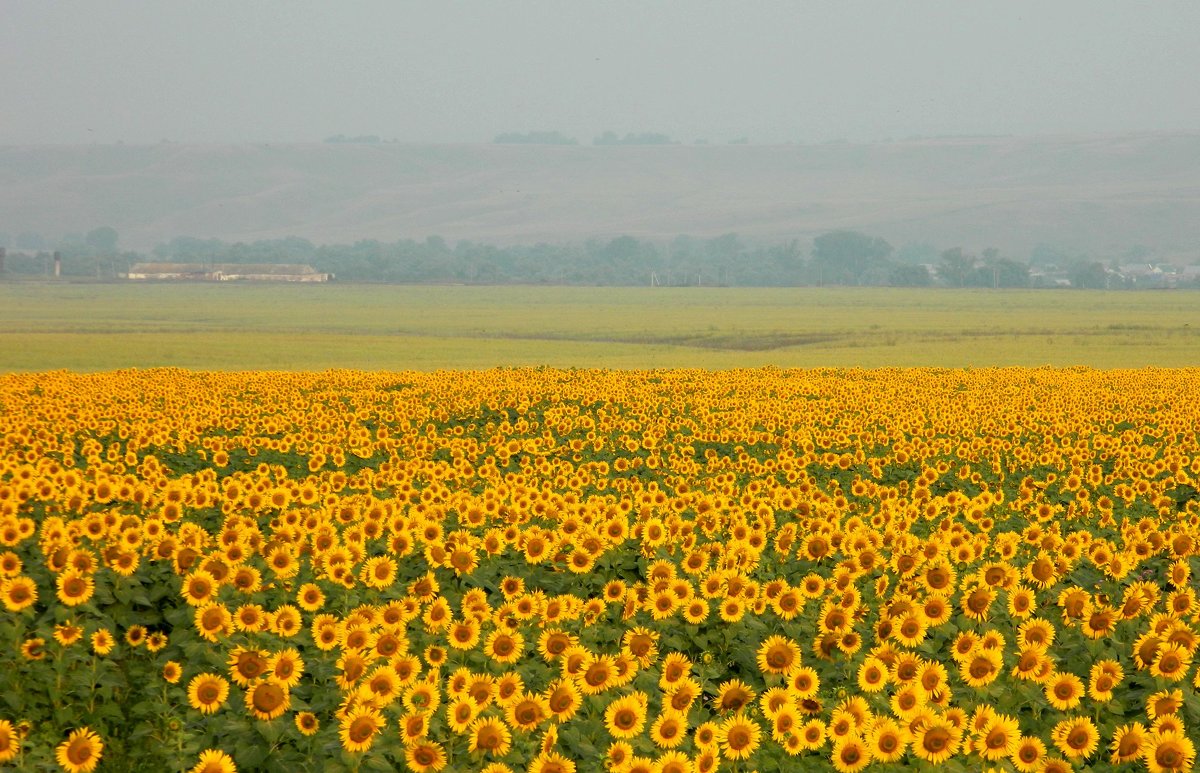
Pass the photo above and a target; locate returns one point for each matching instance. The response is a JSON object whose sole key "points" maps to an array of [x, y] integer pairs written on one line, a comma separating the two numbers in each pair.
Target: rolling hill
{"points": [[1102, 195]]}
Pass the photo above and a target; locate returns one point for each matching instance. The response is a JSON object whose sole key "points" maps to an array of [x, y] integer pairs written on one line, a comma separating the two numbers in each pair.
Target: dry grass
{"points": [[107, 326]]}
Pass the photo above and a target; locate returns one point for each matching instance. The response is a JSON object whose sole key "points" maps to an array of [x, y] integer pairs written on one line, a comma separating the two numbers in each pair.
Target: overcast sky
{"points": [[219, 71]]}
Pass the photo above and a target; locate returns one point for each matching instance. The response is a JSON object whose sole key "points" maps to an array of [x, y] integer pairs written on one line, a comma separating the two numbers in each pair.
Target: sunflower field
{"points": [[561, 571]]}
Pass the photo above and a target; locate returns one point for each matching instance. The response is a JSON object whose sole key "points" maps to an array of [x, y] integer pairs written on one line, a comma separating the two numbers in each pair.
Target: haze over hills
{"points": [[1102, 195]]}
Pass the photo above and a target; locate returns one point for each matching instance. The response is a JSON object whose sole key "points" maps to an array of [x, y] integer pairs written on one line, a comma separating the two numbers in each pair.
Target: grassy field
{"points": [[91, 327]]}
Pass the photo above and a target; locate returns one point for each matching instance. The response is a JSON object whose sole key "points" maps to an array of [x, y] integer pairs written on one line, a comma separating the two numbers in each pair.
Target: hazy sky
{"points": [[463, 71]]}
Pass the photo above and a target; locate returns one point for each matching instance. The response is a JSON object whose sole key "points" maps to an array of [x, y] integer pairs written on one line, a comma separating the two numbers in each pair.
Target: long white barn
{"points": [[226, 272]]}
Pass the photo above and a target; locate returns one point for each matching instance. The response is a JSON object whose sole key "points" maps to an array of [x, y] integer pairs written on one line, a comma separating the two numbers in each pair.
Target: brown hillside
{"points": [[1102, 195]]}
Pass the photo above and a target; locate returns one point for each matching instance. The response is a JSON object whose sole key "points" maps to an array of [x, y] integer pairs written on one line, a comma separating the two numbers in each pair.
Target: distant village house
{"points": [[226, 272]]}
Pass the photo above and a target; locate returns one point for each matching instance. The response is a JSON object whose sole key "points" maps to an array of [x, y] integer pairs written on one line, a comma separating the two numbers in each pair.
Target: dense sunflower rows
{"points": [[556, 571]]}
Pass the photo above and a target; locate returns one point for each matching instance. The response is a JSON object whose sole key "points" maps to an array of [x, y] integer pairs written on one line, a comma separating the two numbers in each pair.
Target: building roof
{"points": [[277, 269]]}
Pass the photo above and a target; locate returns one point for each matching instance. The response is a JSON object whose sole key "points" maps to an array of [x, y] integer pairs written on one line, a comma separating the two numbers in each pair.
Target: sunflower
{"points": [[732, 696], [171, 672], [625, 717], [1021, 601], [675, 666], [1127, 743], [1164, 702], [563, 698], [81, 752], [460, 713], [75, 588], [850, 754], [683, 694], [198, 588], [1100, 622], [998, 738], [33, 649], [527, 712], [1035, 632], [287, 667], [1076, 738], [246, 665], [307, 723], [911, 630], [597, 674], [731, 610], [1028, 754], [310, 597], [359, 727], [267, 699], [778, 655], [787, 604], [10, 741], [214, 761], [805, 682], [463, 635], [425, 755], [936, 741], [102, 641], [504, 647], [1169, 723], [551, 762], [286, 621], [1064, 691], [908, 701], [18, 593], [552, 643], [738, 736], [669, 730], [887, 741], [1171, 662], [1055, 765], [674, 762], [1169, 752], [490, 735], [213, 621], [207, 692]]}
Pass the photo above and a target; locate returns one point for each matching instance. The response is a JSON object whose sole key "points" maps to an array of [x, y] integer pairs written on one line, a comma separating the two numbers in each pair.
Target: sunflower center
{"points": [[268, 697], [361, 729], [79, 751]]}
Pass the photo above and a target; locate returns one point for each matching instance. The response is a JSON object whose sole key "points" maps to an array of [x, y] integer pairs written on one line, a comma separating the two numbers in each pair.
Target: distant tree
{"points": [[534, 138], [645, 138], [909, 275], [1044, 255], [30, 240], [996, 271], [917, 252], [1088, 275], [366, 139], [103, 239], [956, 266], [842, 257]]}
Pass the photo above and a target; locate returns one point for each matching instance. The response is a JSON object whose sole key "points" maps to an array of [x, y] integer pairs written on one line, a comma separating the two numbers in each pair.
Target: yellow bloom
{"points": [[10, 741], [207, 692], [214, 761], [267, 699], [850, 754], [738, 736], [936, 741], [625, 717], [359, 727], [81, 752], [489, 735]]}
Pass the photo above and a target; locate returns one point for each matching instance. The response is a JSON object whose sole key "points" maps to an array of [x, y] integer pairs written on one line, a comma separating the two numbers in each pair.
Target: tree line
{"points": [[842, 257]]}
